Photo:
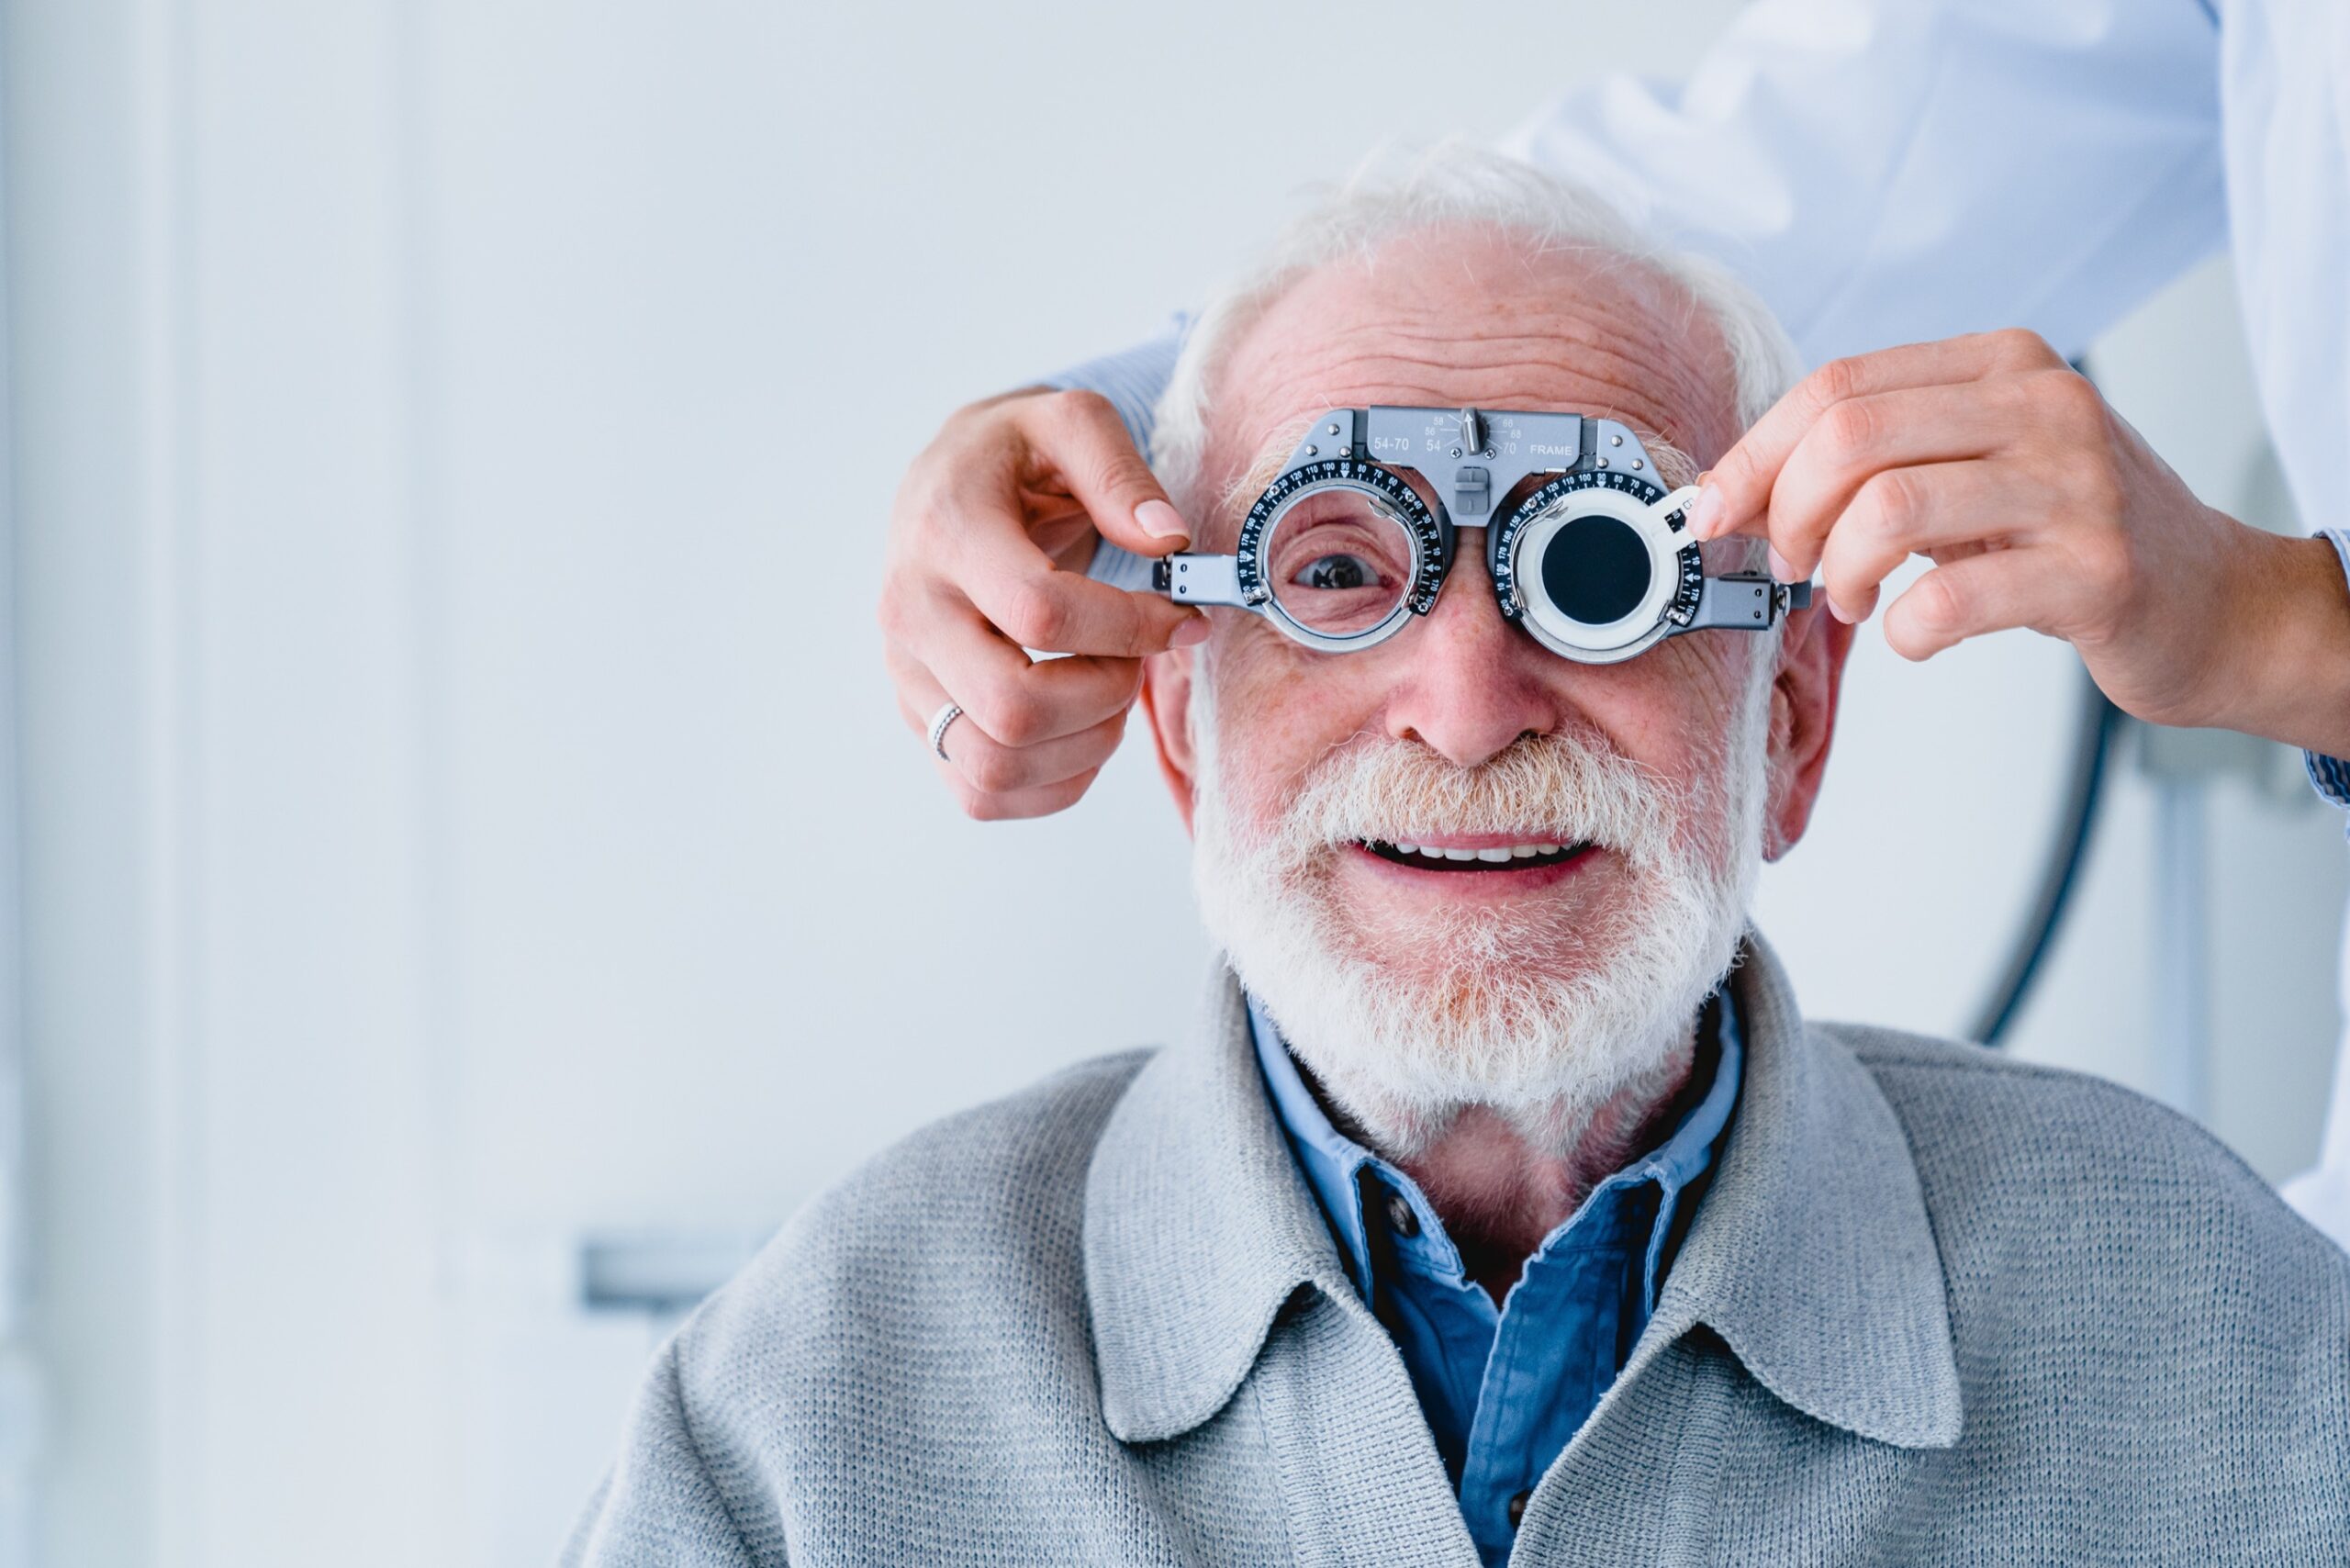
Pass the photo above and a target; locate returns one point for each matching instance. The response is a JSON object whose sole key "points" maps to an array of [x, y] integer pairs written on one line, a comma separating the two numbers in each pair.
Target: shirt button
{"points": [[1400, 1216], [1517, 1508]]}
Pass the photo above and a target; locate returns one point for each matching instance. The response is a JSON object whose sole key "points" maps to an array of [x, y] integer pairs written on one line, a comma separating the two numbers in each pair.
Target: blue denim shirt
{"points": [[1505, 1390]]}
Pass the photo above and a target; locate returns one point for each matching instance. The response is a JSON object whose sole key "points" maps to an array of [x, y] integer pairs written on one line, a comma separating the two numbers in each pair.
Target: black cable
{"points": [[2093, 739]]}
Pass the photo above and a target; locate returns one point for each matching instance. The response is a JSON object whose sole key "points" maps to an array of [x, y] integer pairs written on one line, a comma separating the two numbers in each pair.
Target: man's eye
{"points": [[1337, 573]]}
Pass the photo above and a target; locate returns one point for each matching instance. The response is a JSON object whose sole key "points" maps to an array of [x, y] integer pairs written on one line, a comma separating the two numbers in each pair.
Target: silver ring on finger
{"points": [[939, 723]]}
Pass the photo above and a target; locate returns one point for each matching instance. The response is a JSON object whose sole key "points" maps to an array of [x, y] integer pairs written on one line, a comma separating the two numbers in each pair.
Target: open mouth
{"points": [[1498, 858]]}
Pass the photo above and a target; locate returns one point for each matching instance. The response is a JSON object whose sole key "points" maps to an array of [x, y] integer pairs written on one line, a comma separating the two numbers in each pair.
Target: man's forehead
{"points": [[1460, 321]]}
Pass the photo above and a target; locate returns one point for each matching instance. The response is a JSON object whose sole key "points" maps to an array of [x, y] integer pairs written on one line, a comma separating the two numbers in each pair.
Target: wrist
{"points": [[2290, 614]]}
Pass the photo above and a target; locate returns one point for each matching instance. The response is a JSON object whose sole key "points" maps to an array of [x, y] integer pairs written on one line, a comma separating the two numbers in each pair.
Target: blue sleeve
{"points": [[1132, 379], [2331, 774]]}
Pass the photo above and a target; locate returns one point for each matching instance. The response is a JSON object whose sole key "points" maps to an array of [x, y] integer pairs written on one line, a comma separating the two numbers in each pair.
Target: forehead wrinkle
{"points": [[1542, 377], [1652, 385], [1595, 336], [1599, 397], [1660, 387], [1615, 322], [1467, 347]]}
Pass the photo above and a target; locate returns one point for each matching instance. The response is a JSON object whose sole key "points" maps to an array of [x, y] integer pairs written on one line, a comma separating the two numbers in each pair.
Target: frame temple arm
{"points": [[1747, 603], [1199, 579]]}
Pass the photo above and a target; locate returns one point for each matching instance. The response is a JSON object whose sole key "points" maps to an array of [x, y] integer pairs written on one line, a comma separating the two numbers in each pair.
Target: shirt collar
{"points": [[1811, 1256], [1334, 1163]]}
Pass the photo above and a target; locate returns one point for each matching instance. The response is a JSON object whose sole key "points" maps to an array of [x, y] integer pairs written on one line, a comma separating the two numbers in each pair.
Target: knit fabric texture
{"points": [[1937, 1307]]}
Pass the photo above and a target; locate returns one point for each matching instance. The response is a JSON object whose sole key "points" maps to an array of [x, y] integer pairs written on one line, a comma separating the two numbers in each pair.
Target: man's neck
{"points": [[1500, 1191]]}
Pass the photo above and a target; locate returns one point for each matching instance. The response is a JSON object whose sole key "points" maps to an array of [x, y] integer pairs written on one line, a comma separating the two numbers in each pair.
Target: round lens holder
{"points": [[1594, 569], [1387, 489]]}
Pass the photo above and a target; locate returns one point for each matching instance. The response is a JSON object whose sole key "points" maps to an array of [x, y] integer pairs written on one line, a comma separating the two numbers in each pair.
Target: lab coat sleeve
{"points": [[1894, 171]]}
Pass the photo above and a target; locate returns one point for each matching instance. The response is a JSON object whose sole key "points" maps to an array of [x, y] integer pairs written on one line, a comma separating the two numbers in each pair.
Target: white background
{"points": [[463, 813]]}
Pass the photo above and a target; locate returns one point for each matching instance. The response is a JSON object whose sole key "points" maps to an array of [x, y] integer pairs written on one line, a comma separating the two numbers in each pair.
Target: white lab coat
{"points": [[1890, 170]]}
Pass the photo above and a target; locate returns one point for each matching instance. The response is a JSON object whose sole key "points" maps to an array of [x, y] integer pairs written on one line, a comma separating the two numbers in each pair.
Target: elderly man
{"points": [[1501, 1205]]}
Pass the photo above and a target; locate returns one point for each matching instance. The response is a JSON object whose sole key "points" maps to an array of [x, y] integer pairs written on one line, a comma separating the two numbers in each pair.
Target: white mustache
{"points": [[1546, 789]]}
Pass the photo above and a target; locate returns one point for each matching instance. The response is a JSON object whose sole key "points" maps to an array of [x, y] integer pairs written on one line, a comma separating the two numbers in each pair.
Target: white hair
{"points": [[1456, 183]]}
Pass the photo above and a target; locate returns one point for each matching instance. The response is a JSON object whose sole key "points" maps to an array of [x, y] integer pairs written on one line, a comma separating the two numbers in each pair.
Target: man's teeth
{"points": [[1516, 851], [1501, 855]]}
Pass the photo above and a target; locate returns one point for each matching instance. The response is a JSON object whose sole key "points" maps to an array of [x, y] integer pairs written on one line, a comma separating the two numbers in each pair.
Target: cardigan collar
{"points": [[1810, 1253]]}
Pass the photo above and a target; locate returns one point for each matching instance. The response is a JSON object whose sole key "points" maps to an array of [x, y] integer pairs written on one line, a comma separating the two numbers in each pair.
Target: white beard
{"points": [[1530, 1013]]}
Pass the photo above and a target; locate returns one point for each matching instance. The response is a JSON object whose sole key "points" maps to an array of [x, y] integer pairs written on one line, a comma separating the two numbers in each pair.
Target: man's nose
{"points": [[1472, 683]]}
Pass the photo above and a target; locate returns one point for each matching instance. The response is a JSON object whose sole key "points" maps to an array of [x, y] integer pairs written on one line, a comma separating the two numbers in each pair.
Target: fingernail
{"points": [[1191, 633], [1705, 513], [1779, 568], [1160, 520], [1838, 611]]}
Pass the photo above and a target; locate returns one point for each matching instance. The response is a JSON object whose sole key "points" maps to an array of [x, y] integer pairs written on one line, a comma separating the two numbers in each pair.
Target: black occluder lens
{"points": [[1595, 570]]}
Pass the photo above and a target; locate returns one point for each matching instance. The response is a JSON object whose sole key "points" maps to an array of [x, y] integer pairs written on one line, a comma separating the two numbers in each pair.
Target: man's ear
{"points": [[1803, 720], [1167, 702]]}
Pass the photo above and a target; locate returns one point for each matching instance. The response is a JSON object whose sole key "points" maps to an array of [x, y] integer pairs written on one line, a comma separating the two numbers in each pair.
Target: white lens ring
{"points": [[1640, 628]]}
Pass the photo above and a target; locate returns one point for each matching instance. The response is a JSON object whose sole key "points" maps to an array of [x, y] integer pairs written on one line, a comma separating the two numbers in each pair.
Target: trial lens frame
{"points": [[1473, 460]]}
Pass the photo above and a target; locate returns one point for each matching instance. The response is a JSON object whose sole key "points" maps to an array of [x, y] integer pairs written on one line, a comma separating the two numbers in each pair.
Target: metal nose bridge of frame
{"points": [[1594, 562]]}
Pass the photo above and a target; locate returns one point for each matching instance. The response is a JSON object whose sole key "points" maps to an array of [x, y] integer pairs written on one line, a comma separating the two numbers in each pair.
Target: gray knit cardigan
{"points": [[1937, 1307]]}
